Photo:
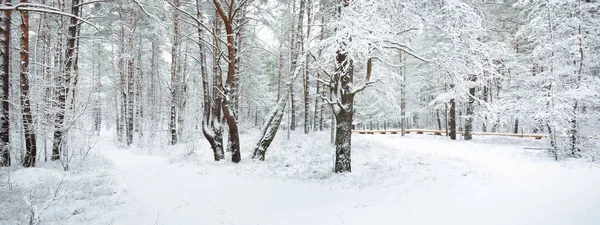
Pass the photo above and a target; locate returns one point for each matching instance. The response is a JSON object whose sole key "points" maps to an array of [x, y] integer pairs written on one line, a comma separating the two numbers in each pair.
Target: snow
{"points": [[417, 179]]}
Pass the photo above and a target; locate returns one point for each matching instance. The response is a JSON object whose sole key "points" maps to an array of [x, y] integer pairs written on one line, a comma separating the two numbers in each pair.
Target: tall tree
{"points": [[64, 83], [28, 125], [227, 15], [175, 70], [5, 21], [211, 120]]}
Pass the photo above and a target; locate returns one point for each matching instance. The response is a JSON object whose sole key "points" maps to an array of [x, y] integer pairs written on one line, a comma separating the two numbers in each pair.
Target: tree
{"points": [[5, 22], [354, 45], [64, 83], [28, 125], [175, 70], [227, 16]]}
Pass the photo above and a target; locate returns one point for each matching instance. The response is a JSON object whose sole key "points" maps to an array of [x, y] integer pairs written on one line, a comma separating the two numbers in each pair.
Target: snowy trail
{"points": [[164, 193]]}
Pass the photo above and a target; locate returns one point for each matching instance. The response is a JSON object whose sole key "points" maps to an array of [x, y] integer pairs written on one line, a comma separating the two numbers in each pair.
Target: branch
{"points": [[198, 22], [362, 87], [43, 9], [328, 84], [94, 1]]}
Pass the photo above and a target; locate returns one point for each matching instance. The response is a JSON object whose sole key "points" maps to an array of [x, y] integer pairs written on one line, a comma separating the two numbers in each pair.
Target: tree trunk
{"points": [[485, 99], [217, 83], [271, 126], [210, 117], [516, 128], [30, 139], [344, 112], [470, 111], [306, 69], [403, 93], [64, 82], [230, 81], [318, 121], [130, 88], [5, 21], [439, 121], [452, 119], [175, 86]]}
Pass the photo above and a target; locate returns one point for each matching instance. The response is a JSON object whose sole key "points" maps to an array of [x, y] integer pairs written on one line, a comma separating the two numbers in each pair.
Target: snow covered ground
{"points": [[417, 179]]}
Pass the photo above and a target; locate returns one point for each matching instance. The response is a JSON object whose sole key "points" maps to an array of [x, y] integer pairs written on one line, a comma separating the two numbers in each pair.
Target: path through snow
{"points": [[525, 192]]}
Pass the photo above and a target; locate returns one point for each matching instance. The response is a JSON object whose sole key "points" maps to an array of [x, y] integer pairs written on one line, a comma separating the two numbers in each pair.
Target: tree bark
{"points": [[28, 126], [5, 27], [210, 117], [130, 83], [344, 113], [452, 119], [64, 83], [470, 111], [230, 81], [271, 126], [306, 69], [403, 92], [174, 75]]}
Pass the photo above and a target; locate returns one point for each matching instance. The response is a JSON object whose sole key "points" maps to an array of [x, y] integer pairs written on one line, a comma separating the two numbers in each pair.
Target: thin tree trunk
{"points": [[5, 73], [439, 121], [294, 51], [452, 119], [485, 99], [318, 121], [306, 73], [175, 85], [574, 131], [403, 92], [130, 89]]}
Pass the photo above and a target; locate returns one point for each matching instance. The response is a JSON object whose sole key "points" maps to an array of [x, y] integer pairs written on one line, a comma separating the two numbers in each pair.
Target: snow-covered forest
{"points": [[300, 112]]}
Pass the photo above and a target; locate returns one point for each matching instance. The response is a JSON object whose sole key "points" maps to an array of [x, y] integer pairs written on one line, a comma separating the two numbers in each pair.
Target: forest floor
{"points": [[417, 179]]}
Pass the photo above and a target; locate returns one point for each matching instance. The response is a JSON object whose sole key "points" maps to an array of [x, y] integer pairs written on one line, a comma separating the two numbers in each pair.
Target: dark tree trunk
{"points": [[516, 128], [439, 121], [64, 82], [5, 73], [344, 111], [485, 99], [230, 82], [452, 119], [343, 139], [30, 141]]}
